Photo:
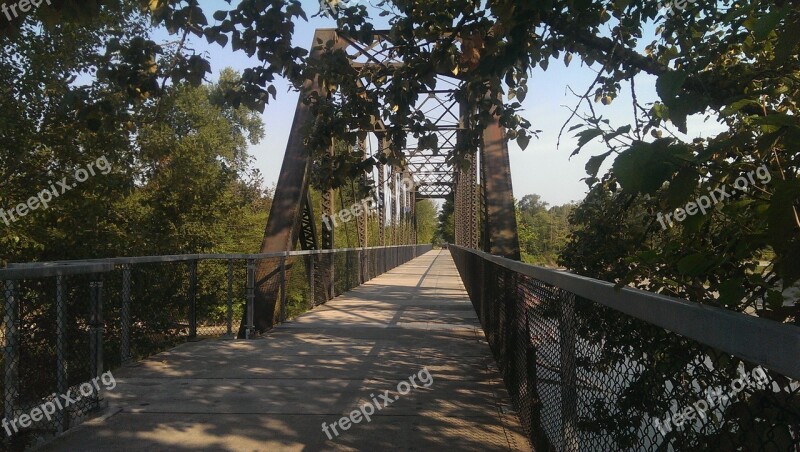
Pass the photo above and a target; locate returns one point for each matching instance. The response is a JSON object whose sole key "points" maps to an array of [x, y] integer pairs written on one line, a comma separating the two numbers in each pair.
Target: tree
{"points": [[532, 204], [446, 230], [426, 221], [194, 158], [542, 232]]}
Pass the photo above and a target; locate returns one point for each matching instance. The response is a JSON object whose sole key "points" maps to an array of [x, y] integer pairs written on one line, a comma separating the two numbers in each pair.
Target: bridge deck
{"points": [[274, 393]]}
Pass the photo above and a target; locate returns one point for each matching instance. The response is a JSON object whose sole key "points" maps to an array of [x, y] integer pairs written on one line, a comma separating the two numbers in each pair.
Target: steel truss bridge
{"points": [[521, 357]]}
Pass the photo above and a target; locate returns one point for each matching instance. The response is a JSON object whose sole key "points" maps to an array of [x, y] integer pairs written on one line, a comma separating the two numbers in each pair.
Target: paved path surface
{"points": [[274, 393]]}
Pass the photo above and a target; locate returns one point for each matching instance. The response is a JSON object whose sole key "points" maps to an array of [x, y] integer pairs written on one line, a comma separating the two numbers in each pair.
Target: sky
{"points": [[543, 168]]}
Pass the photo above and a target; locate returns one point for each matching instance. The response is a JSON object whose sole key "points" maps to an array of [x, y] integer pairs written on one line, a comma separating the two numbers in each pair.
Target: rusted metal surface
{"points": [[283, 225], [308, 226], [484, 212], [500, 218]]}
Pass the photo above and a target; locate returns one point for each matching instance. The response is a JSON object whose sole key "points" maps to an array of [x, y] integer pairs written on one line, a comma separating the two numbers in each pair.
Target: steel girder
{"points": [[431, 173], [499, 217], [285, 218]]}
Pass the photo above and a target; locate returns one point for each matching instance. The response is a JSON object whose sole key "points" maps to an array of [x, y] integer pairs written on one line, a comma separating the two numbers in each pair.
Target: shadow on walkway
{"points": [[274, 393]]}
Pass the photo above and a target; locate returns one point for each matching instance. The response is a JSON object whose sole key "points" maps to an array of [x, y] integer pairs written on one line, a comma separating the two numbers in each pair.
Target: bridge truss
{"points": [[484, 214]]}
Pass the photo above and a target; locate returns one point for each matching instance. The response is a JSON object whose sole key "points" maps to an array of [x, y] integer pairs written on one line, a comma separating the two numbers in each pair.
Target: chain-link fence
{"points": [[52, 338], [66, 323], [592, 368]]}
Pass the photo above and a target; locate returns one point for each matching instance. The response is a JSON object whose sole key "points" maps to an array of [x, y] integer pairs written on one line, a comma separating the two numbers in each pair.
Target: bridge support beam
{"points": [[499, 216], [285, 217]]}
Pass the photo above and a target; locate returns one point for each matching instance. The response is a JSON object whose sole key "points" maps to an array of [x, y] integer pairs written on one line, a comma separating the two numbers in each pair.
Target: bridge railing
{"points": [[66, 323], [591, 367]]}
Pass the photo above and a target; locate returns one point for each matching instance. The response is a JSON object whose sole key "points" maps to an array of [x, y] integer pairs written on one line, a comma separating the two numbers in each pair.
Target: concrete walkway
{"points": [[274, 393]]}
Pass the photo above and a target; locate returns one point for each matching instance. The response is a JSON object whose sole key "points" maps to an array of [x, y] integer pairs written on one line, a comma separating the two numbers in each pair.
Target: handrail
{"points": [[49, 270], [761, 341], [191, 257], [151, 308]]}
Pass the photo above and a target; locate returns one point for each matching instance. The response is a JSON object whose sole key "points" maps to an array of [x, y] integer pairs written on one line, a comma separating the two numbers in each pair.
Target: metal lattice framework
{"points": [[487, 222]]}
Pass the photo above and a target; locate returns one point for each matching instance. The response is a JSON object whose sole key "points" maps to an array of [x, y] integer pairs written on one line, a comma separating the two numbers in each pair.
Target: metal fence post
{"points": [[96, 330], [283, 289], [365, 268], [537, 438], [62, 416], [358, 266], [251, 295], [125, 316], [192, 299], [569, 397], [230, 298], [312, 278], [11, 350], [332, 272]]}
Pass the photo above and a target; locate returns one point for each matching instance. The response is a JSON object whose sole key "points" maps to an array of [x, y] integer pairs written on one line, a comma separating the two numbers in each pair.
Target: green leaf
{"points": [[787, 42], [694, 264], [777, 119], [669, 84], [644, 167], [585, 137], [767, 23], [738, 105], [523, 141], [788, 265], [693, 223], [774, 299], [576, 126], [647, 256], [594, 163], [681, 187], [781, 221], [731, 292], [660, 111]]}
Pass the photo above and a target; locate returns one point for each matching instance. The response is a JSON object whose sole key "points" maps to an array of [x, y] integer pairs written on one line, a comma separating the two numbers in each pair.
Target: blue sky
{"points": [[542, 169]]}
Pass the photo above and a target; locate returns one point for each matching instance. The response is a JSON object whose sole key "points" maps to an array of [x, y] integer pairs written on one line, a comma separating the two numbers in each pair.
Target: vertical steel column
{"points": [[283, 226], [125, 315], [458, 178], [406, 209], [362, 222], [192, 299], [455, 207], [381, 202], [11, 349], [393, 204], [328, 239], [230, 298], [484, 233], [414, 217], [408, 187], [470, 202], [401, 221], [328, 236], [500, 216], [458, 213]]}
